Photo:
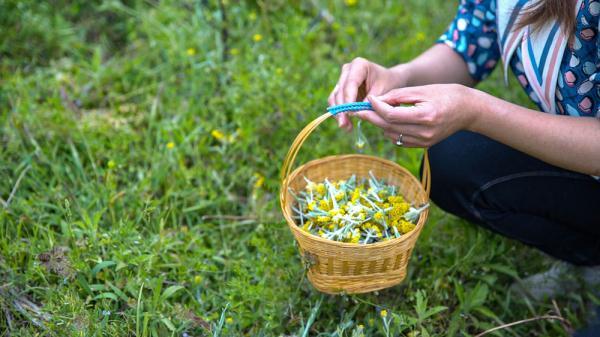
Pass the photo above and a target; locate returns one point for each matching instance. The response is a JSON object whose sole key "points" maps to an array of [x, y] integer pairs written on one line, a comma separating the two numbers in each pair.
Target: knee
{"points": [[452, 175]]}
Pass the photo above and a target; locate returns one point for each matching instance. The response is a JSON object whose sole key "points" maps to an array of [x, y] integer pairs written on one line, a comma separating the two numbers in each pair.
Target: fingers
{"points": [[390, 114], [339, 95], [373, 118], [344, 121], [407, 95], [357, 75], [340, 118], [352, 78], [407, 140]]}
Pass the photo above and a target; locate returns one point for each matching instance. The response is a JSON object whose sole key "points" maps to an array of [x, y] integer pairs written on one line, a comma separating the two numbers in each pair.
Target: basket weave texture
{"points": [[339, 267]]}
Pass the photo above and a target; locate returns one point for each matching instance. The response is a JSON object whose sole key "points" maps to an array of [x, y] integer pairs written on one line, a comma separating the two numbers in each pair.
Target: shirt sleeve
{"points": [[473, 34]]}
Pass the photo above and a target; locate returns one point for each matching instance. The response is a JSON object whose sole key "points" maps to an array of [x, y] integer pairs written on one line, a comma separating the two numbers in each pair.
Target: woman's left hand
{"points": [[437, 112]]}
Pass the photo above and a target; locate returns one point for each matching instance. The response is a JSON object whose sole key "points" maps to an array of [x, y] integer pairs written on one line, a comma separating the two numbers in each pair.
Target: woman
{"points": [[526, 174]]}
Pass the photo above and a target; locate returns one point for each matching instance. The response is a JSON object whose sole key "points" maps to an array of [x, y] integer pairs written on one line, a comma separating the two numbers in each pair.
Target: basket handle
{"points": [[288, 162]]}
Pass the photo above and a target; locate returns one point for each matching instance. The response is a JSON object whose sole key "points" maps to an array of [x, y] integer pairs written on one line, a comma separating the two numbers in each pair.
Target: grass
{"points": [[148, 138]]}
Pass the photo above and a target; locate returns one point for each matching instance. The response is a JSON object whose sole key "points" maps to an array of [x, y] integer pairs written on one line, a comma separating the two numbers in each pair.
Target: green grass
{"points": [[111, 232]]}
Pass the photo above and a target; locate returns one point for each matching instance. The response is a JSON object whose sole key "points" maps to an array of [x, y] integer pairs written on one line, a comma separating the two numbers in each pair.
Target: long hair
{"points": [[542, 11]]}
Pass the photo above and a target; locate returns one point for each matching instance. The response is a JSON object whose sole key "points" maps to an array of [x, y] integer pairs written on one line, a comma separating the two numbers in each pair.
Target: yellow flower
{"points": [[324, 205], [321, 189], [257, 37], [360, 326], [420, 36], [378, 216], [260, 180], [395, 199], [229, 320], [311, 205], [111, 164], [339, 196], [170, 145], [405, 226], [355, 195], [197, 279], [383, 313], [191, 51], [218, 135], [307, 226], [323, 218], [234, 51], [350, 3]]}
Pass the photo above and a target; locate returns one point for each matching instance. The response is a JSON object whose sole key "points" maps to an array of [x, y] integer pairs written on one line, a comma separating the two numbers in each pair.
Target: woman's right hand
{"points": [[360, 78]]}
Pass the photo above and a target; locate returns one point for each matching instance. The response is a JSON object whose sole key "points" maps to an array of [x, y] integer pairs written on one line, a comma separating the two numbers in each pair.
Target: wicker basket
{"points": [[338, 267]]}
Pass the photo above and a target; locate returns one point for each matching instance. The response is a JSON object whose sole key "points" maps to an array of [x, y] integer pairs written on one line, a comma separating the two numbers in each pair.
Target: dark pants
{"points": [[523, 198]]}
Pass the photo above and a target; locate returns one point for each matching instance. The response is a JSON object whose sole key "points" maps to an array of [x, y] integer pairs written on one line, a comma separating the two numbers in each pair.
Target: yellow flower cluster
{"points": [[355, 211]]}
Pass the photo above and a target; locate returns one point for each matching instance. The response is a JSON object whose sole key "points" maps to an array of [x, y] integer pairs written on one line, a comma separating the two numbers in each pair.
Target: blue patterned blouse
{"points": [[473, 34]]}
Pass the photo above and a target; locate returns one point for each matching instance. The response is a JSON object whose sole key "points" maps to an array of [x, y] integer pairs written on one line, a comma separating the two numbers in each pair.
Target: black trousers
{"points": [[518, 196]]}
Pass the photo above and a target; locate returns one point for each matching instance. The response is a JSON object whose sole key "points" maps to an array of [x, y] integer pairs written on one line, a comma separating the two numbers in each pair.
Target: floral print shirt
{"points": [[473, 34]]}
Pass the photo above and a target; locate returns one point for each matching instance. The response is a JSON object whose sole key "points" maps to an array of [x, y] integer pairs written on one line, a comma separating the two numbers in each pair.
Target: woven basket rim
{"points": [[293, 226]]}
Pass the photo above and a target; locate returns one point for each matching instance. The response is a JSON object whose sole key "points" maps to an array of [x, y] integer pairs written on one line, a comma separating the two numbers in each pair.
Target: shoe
{"points": [[561, 278], [591, 278]]}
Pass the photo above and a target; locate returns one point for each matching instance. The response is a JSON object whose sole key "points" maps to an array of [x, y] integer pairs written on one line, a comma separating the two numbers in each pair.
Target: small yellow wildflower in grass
{"points": [[191, 51], [218, 135], [420, 37], [383, 313], [351, 3], [111, 164], [197, 279], [234, 51], [360, 326], [260, 180], [170, 145], [360, 211], [257, 37], [229, 320]]}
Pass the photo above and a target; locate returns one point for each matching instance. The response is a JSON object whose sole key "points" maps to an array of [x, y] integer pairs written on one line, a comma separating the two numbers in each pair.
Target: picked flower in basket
{"points": [[324, 202]]}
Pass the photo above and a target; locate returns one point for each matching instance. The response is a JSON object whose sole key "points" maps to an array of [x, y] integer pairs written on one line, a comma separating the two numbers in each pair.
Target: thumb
{"points": [[408, 95], [381, 108]]}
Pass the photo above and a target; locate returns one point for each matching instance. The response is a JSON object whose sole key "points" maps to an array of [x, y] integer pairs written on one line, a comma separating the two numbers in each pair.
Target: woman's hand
{"points": [[439, 110], [360, 78]]}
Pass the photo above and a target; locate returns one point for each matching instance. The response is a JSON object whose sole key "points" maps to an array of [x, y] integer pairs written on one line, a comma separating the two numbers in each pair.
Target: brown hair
{"points": [[542, 11]]}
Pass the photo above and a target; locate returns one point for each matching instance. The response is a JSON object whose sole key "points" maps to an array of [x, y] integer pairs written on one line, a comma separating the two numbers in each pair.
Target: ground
{"points": [[141, 148]]}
